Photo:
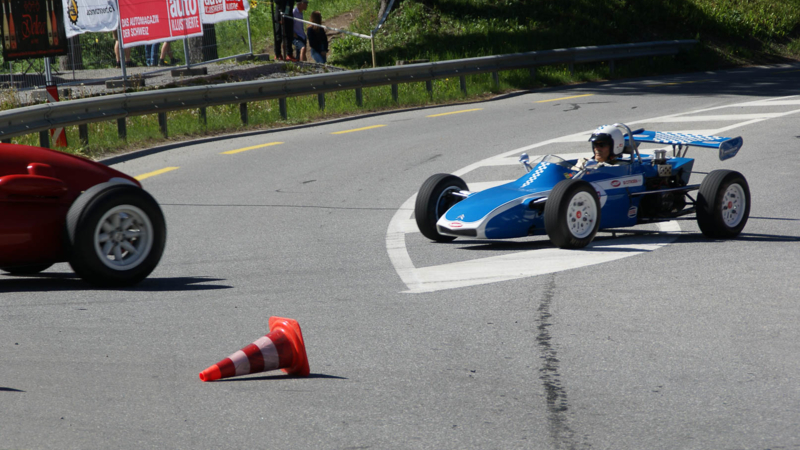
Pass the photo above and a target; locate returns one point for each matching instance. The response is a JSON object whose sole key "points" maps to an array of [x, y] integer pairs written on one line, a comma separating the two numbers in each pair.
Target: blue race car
{"points": [[570, 201]]}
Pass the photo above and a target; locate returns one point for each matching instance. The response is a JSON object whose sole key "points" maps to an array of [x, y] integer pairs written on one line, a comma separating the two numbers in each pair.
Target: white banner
{"points": [[92, 16], [214, 11]]}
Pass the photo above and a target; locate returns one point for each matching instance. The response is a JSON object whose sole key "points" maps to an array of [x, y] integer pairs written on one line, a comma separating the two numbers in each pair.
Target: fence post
{"points": [[533, 73], [463, 81], [611, 66], [44, 139], [162, 124], [203, 116], [571, 69], [243, 113], [359, 97], [122, 128], [496, 79], [395, 94], [429, 87], [321, 101], [282, 107], [83, 134]]}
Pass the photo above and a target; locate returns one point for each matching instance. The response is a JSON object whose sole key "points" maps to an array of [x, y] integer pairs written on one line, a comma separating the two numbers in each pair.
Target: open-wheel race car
{"points": [[56, 207], [570, 201]]}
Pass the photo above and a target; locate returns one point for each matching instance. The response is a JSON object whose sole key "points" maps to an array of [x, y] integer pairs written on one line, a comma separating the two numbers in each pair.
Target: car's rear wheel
{"points": [[572, 214], [723, 204], [117, 235], [434, 198], [30, 269]]}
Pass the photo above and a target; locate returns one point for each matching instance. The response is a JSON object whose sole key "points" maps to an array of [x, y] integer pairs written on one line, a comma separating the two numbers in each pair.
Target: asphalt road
{"points": [[680, 342]]}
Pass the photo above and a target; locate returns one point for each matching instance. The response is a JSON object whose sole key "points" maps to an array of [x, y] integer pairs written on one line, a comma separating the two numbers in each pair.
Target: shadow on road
{"points": [[66, 281], [279, 377]]}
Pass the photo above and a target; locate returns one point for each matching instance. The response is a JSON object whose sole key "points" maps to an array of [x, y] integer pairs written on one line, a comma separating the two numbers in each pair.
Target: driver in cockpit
{"points": [[608, 143]]}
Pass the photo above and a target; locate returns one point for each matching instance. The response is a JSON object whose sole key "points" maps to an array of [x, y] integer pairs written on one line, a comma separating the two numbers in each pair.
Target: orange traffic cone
{"points": [[283, 348]]}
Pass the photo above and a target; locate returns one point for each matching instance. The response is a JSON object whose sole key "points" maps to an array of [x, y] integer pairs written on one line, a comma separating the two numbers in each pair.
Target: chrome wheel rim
{"points": [[581, 215], [123, 237], [733, 205]]}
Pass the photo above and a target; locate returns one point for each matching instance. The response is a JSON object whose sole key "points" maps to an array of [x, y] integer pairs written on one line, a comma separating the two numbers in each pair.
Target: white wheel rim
{"points": [[581, 215], [733, 205], [123, 237]]}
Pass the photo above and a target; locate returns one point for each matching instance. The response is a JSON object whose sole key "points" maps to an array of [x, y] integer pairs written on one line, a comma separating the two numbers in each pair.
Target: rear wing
{"points": [[728, 147]]}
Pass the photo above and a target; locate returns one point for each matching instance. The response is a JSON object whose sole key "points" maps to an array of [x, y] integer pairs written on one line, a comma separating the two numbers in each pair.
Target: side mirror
{"points": [[525, 161]]}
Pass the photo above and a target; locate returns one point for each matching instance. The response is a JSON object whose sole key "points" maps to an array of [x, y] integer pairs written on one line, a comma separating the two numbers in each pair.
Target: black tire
{"points": [[135, 255], [723, 204], [26, 270], [433, 200], [572, 214]]}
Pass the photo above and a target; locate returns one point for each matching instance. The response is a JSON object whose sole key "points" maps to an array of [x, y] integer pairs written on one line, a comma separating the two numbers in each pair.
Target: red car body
{"points": [[37, 188]]}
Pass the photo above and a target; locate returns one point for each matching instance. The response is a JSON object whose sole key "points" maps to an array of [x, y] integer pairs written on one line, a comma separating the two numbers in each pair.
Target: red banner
{"points": [[153, 21]]}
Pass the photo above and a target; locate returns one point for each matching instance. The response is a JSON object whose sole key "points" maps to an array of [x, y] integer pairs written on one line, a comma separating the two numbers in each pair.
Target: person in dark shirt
{"points": [[317, 40]]}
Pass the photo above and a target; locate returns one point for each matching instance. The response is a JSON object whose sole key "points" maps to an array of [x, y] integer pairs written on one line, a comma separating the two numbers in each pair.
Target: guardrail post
{"points": [[321, 101], [203, 116], [359, 97], [496, 79], [5, 141], [571, 69], [463, 81], [533, 74], [429, 87], [44, 139], [162, 124], [611, 66], [282, 107], [395, 95], [83, 134], [243, 112], [122, 129]]}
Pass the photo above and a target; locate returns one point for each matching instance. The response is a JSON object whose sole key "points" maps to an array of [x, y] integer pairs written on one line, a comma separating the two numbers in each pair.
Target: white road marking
{"points": [[548, 260]]}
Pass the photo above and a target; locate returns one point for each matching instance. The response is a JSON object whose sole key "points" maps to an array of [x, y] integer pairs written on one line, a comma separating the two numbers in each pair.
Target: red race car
{"points": [[56, 207]]}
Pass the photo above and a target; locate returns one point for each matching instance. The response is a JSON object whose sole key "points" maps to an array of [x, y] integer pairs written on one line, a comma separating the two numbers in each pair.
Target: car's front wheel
{"points": [[434, 198], [572, 214], [117, 235], [723, 204]]}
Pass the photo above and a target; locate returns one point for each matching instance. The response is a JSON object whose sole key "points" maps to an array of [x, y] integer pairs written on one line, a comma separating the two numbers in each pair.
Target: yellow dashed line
{"points": [[156, 172], [358, 129], [455, 112], [233, 152], [677, 82], [563, 98]]}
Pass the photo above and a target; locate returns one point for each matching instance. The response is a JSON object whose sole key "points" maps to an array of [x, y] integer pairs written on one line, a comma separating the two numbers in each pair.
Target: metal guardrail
{"points": [[38, 118]]}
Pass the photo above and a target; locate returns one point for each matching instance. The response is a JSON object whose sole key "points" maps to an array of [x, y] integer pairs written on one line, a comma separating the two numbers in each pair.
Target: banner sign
{"points": [[32, 28], [90, 16], [215, 11], [154, 21]]}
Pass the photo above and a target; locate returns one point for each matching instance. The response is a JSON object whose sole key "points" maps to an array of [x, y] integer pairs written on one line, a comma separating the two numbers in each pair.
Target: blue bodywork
{"points": [[516, 209]]}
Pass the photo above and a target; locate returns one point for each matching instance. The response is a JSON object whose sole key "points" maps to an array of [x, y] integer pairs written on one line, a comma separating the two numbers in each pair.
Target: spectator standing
{"points": [[150, 54], [300, 38], [281, 26], [165, 50], [128, 61], [317, 39]]}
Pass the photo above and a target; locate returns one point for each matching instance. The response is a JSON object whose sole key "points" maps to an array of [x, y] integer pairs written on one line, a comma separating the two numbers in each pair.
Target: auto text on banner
{"points": [[154, 21], [90, 16], [215, 11]]}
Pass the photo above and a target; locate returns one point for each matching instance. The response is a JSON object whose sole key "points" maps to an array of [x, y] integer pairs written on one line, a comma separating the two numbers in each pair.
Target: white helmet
{"points": [[611, 135]]}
